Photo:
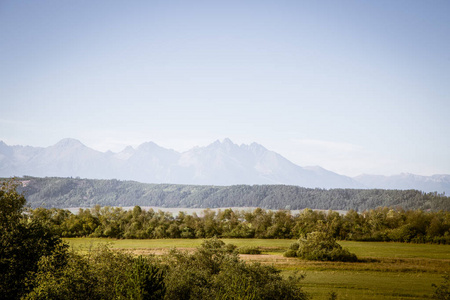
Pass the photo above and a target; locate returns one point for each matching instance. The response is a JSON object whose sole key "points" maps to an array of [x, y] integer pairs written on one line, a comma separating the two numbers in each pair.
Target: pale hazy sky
{"points": [[353, 86]]}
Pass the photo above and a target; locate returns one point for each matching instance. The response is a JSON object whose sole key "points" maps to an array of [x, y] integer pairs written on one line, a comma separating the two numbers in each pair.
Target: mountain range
{"points": [[220, 163]]}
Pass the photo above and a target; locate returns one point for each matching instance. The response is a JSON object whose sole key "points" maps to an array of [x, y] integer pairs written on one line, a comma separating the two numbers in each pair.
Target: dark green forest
{"points": [[75, 192]]}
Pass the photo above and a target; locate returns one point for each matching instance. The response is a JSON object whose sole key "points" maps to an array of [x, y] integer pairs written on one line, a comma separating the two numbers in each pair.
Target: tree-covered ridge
{"points": [[382, 224], [73, 192]]}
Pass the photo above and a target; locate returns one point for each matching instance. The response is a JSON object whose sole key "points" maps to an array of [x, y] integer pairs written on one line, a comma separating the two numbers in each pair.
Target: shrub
{"points": [[249, 250], [63, 275], [290, 253], [332, 295], [294, 246], [215, 272], [322, 246], [442, 292], [23, 242], [103, 274]]}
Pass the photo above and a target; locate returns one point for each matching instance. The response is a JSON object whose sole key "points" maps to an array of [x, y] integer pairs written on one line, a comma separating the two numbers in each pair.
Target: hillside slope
{"points": [[70, 192]]}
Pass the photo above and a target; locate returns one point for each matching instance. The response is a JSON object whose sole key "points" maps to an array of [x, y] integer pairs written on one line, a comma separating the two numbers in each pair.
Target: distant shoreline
{"points": [[199, 211]]}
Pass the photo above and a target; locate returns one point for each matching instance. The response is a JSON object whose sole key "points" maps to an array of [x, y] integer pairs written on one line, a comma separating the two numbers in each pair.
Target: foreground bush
{"points": [[213, 271], [442, 291], [216, 272], [23, 241], [102, 274], [320, 246]]}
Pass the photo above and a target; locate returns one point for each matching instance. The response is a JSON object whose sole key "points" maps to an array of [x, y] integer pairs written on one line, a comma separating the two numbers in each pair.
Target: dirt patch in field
{"points": [[157, 251], [265, 258]]}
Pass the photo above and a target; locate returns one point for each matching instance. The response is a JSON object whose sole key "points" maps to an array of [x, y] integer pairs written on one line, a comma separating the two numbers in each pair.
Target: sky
{"points": [[352, 86]]}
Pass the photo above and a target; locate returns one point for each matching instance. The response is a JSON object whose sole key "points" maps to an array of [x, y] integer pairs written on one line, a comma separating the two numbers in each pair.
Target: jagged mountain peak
{"points": [[128, 149], [147, 146], [227, 141], [153, 148], [228, 144], [224, 143], [256, 145], [68, 143], [125, 154]]}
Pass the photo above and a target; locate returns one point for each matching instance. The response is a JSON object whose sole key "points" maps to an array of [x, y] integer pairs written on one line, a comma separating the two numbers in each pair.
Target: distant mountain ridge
{"points": [[405, 181], [220, 163]]}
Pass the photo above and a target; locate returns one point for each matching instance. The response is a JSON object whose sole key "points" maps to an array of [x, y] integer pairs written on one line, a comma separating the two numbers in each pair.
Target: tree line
{"points": [[381, 224], [55, 192]]}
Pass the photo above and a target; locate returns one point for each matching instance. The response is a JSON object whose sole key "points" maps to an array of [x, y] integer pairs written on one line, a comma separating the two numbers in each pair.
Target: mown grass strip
{"points": [[369, 285]]}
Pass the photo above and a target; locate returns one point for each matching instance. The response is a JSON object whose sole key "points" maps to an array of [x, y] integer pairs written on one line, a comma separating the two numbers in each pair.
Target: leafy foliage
{"points": [[382, 224], [100, 275], [63, 276], [23, 241], [215, 271], [320, 245], [442, 291]]}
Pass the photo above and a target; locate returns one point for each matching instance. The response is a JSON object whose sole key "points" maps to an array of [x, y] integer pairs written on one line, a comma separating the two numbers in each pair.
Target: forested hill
{"points": [[74, 192]]}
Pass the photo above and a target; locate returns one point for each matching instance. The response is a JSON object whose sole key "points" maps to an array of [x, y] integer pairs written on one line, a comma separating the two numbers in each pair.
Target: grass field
{"points": [[387, 270]]}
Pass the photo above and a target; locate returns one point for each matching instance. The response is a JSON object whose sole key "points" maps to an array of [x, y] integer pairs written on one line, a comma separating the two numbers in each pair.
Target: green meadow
{"points": [[386, 270]]}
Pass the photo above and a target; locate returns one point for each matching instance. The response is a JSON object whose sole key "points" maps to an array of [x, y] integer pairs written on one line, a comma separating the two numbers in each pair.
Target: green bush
{"points": [[294, 246], [290, 253], [442, 291], [102, 274], [23, 242], [322, 246], [64, 275], [215, 272], [144, 280], [249, 250]]}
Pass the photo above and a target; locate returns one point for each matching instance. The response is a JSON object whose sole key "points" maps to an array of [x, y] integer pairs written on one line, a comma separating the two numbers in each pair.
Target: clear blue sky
{"points": [[353, 86]]}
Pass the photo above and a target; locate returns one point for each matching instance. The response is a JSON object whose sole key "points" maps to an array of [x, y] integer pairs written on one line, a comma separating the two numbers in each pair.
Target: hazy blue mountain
{"points": [[147, 163], [14, 160], [406, 181], [225, 163], [220, 163]]}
